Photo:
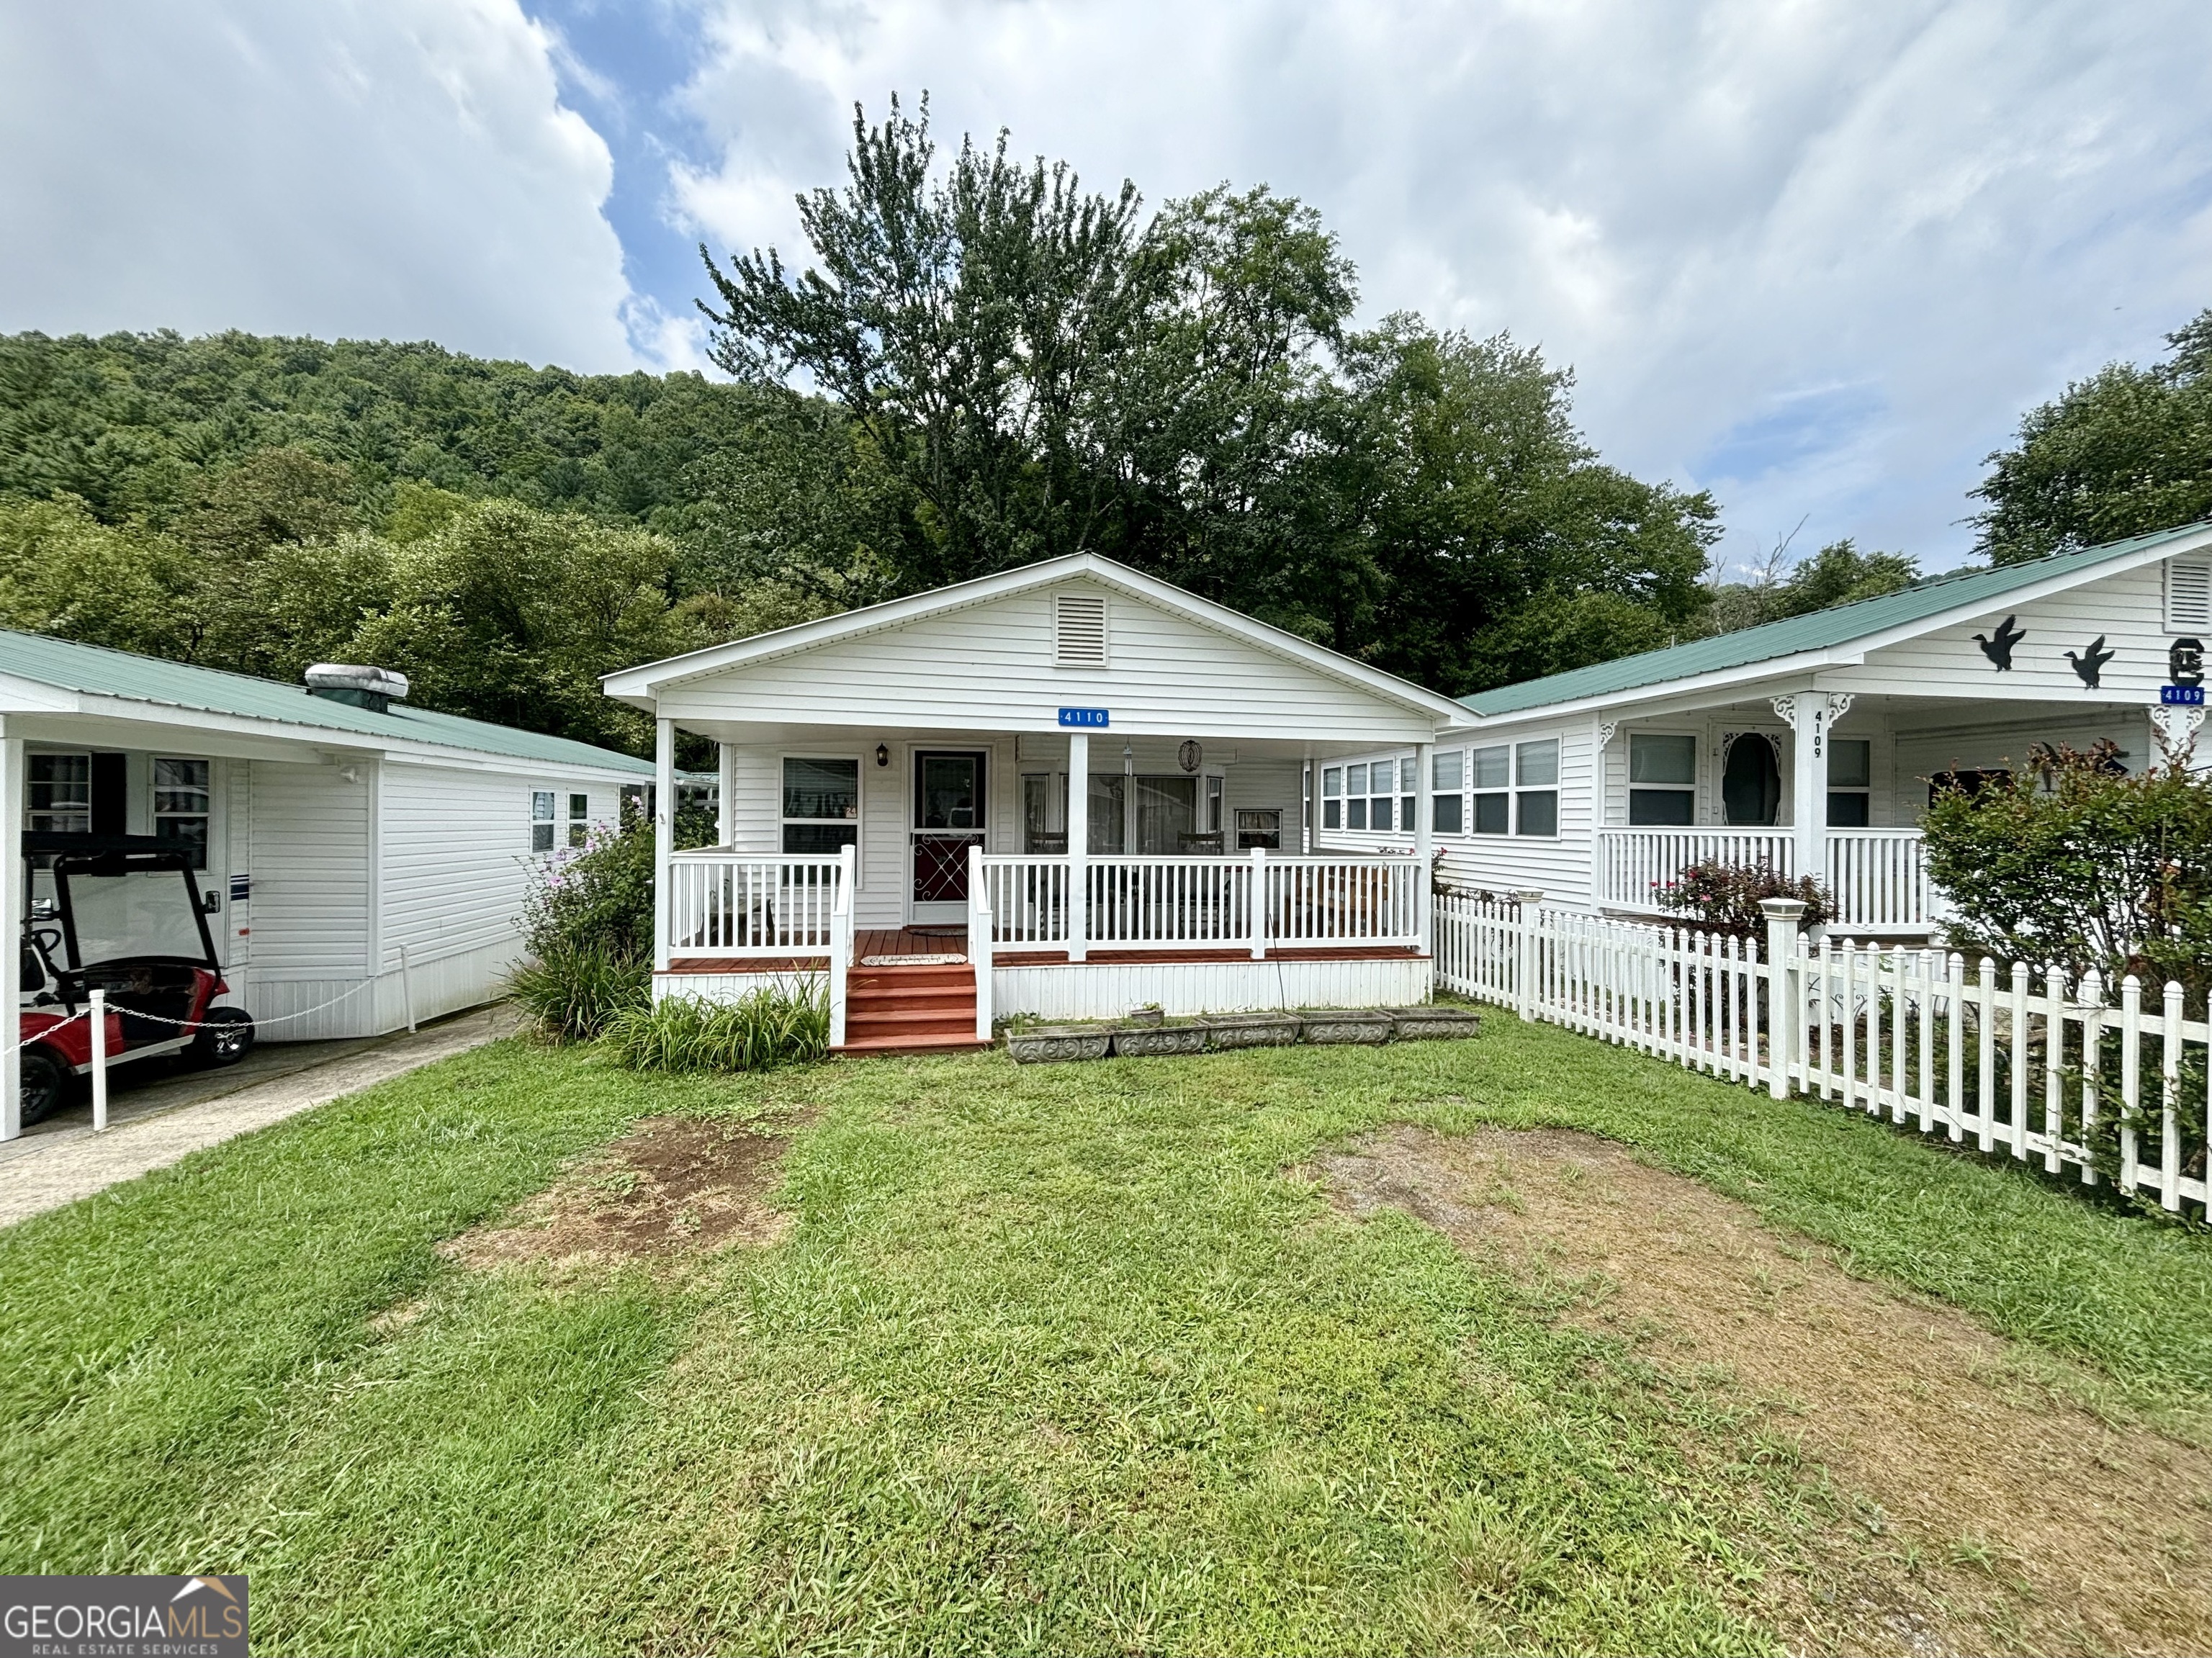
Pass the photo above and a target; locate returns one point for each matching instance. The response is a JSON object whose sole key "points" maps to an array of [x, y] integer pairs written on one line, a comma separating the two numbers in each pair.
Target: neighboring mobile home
{"points": [[1808, 745], [1075, 786], [355, 853]]}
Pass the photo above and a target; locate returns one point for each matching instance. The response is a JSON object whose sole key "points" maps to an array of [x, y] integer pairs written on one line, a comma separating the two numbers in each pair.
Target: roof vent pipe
{"points": [[374, 689]]}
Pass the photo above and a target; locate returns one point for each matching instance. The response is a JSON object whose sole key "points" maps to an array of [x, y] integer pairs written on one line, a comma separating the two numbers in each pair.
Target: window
{"points": [[1850, 776], [180, 805], [1662, 777], [1331, 787], [1492, 773], [580, 819], [541, 820], [1079, 629], [1382, 782], [1355, 797], [1260, 828], [1409, 779], [1537, 787], [821, 807], [1444, 780], [61, 794]]}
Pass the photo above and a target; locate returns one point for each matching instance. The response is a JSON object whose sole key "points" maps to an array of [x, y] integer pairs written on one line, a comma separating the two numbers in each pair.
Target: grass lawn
{"points": [[1051, 1357]]}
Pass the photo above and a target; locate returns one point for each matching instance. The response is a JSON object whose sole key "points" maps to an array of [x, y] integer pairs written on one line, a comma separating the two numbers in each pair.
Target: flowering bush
{"points": [[587, 920], [1720, 896], [2074, 863]]}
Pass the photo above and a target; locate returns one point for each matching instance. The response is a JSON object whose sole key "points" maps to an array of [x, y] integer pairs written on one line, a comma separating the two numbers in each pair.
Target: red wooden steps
{"points": [[910, 1010]]}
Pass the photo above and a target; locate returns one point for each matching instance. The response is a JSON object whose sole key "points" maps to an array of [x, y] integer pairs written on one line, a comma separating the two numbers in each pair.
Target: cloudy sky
{"points": [[1814, 255]]}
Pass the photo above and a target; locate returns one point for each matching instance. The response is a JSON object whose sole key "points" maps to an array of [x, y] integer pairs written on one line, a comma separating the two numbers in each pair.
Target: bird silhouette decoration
{"points": [[2090, 665], [1998, 648]]}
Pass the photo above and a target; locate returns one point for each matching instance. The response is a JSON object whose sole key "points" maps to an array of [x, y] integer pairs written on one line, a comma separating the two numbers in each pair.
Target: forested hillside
{"points": [[135, 425]]}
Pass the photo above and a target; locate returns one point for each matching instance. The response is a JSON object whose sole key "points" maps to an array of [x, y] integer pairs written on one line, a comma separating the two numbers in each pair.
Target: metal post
{"points": [[14, 911], [407, 988], [664, 836], [1259, 913], [99, 1017], [1078, 845], [1785, 996]]}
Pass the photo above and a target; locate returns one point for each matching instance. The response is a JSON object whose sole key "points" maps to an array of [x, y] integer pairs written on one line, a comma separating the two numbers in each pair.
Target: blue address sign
{"points": [[2174, 696], [1091, 717]]}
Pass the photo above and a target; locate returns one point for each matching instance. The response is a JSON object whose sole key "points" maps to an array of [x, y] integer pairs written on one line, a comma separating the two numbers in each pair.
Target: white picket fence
{"points": [[2017, 1060]]}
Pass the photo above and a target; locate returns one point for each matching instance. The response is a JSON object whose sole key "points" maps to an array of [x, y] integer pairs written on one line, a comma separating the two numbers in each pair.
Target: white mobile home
{"points": [[1807, 745], [356, 854], [1063, 790]]}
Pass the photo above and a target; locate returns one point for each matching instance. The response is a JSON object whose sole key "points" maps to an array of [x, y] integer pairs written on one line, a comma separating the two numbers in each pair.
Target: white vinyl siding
{"points": [[992, 665]]}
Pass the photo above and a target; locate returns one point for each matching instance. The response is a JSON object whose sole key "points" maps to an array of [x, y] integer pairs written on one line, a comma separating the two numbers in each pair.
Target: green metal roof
{"points": [[95, 670], [1821, 630]]}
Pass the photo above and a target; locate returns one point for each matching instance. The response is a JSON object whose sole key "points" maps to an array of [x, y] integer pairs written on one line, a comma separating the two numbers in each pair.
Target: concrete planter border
{"points": [[1365, 1027]]}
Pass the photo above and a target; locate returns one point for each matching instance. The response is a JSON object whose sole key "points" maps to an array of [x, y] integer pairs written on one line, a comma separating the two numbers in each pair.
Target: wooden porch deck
{"points": [[953, 940]]}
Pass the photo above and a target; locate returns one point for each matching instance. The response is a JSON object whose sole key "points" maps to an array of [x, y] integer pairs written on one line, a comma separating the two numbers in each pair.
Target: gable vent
{"points": [[2188, 594], [1079, 629]]}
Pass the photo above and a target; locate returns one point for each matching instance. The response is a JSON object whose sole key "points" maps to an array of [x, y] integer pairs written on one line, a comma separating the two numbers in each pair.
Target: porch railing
{"points": [[1256, 903], [1878, 877], [721, 904]]}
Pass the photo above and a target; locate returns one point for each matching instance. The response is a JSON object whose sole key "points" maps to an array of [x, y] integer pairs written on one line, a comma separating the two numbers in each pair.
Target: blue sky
{"points": [[1817, 257]]}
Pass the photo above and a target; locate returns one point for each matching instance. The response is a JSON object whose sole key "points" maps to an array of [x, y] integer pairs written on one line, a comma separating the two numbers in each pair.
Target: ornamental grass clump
{"points": [[573, 991], [769, 1028]]}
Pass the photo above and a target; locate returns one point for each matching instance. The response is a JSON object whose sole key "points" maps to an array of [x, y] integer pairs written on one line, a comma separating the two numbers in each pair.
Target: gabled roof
{"points": [[640, 684], [1925, 605], [97, 671]]}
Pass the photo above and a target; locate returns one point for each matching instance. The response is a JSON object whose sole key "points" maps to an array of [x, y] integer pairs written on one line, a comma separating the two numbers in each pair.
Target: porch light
{"points": [[883, 754]]}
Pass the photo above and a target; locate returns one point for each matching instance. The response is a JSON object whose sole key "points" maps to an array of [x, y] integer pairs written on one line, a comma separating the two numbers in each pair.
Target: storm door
{"points": [[950, 802]]}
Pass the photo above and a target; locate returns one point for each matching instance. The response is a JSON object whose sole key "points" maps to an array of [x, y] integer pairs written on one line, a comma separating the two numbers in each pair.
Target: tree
{"points": [[1838, 574], [1029, 370], [63, 572], [2124, 452]]}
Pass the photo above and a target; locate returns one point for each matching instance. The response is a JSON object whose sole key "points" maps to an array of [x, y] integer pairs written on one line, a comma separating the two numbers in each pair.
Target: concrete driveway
{"points": [[159, 1118]]}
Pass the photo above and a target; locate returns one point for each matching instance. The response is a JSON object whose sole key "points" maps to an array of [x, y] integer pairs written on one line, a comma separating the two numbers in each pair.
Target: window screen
{"points": [[821, 806]]}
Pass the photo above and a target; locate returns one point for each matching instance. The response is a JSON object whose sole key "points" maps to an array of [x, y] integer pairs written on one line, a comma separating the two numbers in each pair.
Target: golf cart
{"points": [[122, 913]]}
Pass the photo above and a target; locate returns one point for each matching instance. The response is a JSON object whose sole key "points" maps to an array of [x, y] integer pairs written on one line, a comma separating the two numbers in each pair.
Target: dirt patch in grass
{"points": [[671, 1186], [1978, 1508]]}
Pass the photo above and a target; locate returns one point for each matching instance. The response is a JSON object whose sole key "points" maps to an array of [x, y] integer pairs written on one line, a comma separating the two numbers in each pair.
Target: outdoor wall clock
{"points": [[2090, 665], [1999, 647]]}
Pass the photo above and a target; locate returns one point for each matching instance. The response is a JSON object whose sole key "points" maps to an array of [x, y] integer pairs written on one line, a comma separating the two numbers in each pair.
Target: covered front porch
{"points": [[926, 880], [1061, 791], [1827, 784]]}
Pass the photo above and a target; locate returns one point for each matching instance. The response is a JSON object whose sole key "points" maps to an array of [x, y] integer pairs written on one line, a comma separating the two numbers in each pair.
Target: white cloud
{"points": [[1817, 254], [397, 168]]}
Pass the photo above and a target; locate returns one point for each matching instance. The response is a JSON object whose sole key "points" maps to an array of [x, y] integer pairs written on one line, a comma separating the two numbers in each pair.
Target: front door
{"points": [[949, 805]]}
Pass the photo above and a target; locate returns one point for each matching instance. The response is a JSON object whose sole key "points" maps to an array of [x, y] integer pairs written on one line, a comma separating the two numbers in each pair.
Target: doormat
{"points": [[941, 960]]}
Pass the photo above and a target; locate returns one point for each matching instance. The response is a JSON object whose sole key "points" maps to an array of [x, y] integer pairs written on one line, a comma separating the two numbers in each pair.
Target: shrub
{"points": [[573, 991], [589, 923], [1719, 896], [2074, 863], [768, 1028]]}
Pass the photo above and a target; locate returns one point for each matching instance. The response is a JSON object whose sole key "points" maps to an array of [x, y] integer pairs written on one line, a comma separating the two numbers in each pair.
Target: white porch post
{"points": [[1810, 713], [664, 836], [1424, 836], [1078, 844], [725, 795], [14, 911]]}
